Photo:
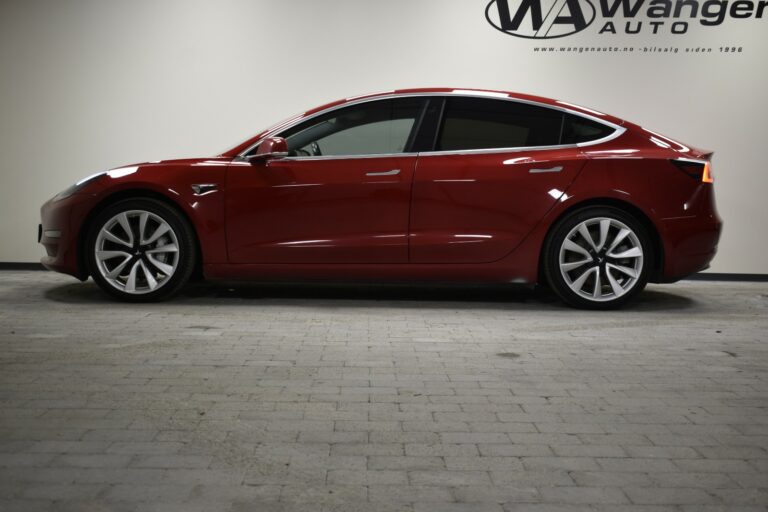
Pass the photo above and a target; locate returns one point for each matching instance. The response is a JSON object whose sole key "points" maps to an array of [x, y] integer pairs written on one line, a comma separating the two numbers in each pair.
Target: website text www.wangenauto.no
{"points": [[637, 49]]}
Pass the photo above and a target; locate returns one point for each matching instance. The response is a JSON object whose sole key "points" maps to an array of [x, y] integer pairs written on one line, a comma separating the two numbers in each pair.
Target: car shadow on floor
{"points": [[401, 295]]}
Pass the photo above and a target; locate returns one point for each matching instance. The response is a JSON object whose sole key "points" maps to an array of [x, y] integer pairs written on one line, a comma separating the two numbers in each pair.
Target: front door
{"points": [[342, 195]]}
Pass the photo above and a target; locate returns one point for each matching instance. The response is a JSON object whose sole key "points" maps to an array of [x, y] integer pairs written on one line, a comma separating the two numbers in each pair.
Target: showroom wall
{"points": [[86, 85]]}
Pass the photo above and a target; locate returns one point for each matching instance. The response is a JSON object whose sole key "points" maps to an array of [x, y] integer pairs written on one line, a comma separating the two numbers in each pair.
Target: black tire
{"points": [[148, 264], [606, 273]]}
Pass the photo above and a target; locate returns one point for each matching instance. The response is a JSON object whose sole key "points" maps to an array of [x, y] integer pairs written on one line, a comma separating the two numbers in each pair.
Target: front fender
{"points": [[173, 183]]}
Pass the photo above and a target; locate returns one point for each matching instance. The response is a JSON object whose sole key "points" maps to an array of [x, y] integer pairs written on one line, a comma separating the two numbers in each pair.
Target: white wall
{"points": [[90, 85]]}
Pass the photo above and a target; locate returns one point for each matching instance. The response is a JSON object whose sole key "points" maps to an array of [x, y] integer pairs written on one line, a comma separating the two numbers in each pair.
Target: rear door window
{"points": [[480, 123]]}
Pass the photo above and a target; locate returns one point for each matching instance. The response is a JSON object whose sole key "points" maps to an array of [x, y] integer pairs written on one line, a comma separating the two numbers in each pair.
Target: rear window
{"points": [[479, 123], [578, 129]]}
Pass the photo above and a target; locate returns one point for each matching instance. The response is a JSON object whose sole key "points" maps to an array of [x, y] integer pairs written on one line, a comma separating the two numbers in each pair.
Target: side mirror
{"points": [[271, 147]]}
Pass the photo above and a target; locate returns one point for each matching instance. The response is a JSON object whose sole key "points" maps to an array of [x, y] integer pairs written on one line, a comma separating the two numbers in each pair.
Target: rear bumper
{"points": [[690, 245], [59, 232]]}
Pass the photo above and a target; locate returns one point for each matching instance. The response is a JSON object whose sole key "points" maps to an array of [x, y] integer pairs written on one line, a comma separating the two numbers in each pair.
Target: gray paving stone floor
{"points": [[381, 399]]}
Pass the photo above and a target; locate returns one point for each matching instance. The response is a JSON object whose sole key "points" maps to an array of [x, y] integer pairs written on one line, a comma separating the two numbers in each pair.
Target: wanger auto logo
{"points": [[540, 19]]}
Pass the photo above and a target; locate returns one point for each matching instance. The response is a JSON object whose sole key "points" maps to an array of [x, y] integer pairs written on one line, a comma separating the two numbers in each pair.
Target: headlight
{"points": [[77, 186]]}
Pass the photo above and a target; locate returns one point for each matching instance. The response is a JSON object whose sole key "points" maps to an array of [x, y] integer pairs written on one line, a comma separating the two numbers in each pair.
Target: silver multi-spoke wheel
{"points": [[136, 252], [601, 259]]}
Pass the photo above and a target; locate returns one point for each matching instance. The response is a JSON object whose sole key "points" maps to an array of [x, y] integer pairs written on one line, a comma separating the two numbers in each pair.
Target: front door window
{"points": [[373, 128]]}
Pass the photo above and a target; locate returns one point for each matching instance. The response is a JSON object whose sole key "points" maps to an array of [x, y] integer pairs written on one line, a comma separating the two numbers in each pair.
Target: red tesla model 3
{"points": [[421, 184]]}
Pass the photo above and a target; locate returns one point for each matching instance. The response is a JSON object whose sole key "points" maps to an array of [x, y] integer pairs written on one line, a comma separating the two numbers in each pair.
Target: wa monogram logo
{"points": [[548, 19], [540, 19]]}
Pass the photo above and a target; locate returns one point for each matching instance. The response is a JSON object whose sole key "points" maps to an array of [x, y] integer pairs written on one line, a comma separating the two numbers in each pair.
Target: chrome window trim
{"points": [[345, 157], [618, 130]]}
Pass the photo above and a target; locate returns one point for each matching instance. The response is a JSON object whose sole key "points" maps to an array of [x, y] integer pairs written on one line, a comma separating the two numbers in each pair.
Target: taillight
{"points": [[700, 170]]}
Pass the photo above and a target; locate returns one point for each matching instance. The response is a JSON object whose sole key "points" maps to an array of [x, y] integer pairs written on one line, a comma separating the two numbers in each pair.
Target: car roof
{"points": [[490, 93], [439, 91]]}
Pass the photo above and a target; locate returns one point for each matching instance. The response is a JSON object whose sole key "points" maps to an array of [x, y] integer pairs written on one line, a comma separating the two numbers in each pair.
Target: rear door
{"points": [[496, 167]]}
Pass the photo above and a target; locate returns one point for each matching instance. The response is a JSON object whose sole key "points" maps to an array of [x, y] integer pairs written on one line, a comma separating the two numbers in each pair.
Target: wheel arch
{"points": [[132, 193], [658, 248]]}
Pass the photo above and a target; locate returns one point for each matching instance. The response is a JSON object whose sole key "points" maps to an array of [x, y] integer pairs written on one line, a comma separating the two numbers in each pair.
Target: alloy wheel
{"points": [[601, 259], [137, 252]]}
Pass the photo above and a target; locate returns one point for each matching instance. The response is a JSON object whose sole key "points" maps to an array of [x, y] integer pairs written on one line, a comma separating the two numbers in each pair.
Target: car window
{"points": [[578, 129], [378, 127], [481, 123]]}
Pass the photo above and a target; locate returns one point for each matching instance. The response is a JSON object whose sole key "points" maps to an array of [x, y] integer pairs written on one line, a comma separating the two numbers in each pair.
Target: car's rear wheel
{"points": [[598, 258], [140, 250]]}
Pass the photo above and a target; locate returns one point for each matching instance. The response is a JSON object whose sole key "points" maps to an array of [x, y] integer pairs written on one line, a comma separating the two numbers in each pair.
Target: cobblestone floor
{"points": [[376, 398]]}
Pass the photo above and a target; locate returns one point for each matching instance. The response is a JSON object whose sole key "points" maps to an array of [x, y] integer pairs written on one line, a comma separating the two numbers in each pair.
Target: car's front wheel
{"points": [[598, 258], [140, 250]]}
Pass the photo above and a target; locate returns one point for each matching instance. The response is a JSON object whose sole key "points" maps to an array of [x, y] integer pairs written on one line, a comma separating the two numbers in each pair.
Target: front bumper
{"points": [[59, 233]]}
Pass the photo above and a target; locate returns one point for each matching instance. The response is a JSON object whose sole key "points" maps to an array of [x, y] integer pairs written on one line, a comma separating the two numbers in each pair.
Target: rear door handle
{"points": [[393, 172], [557, 168]]}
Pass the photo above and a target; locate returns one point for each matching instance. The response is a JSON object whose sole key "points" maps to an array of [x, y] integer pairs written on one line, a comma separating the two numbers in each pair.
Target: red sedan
{"points": [[423, 184]]}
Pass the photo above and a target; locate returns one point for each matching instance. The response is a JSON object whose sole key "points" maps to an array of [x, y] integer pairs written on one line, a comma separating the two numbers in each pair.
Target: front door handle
{"points": [[557, 168], [393, 172]]}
